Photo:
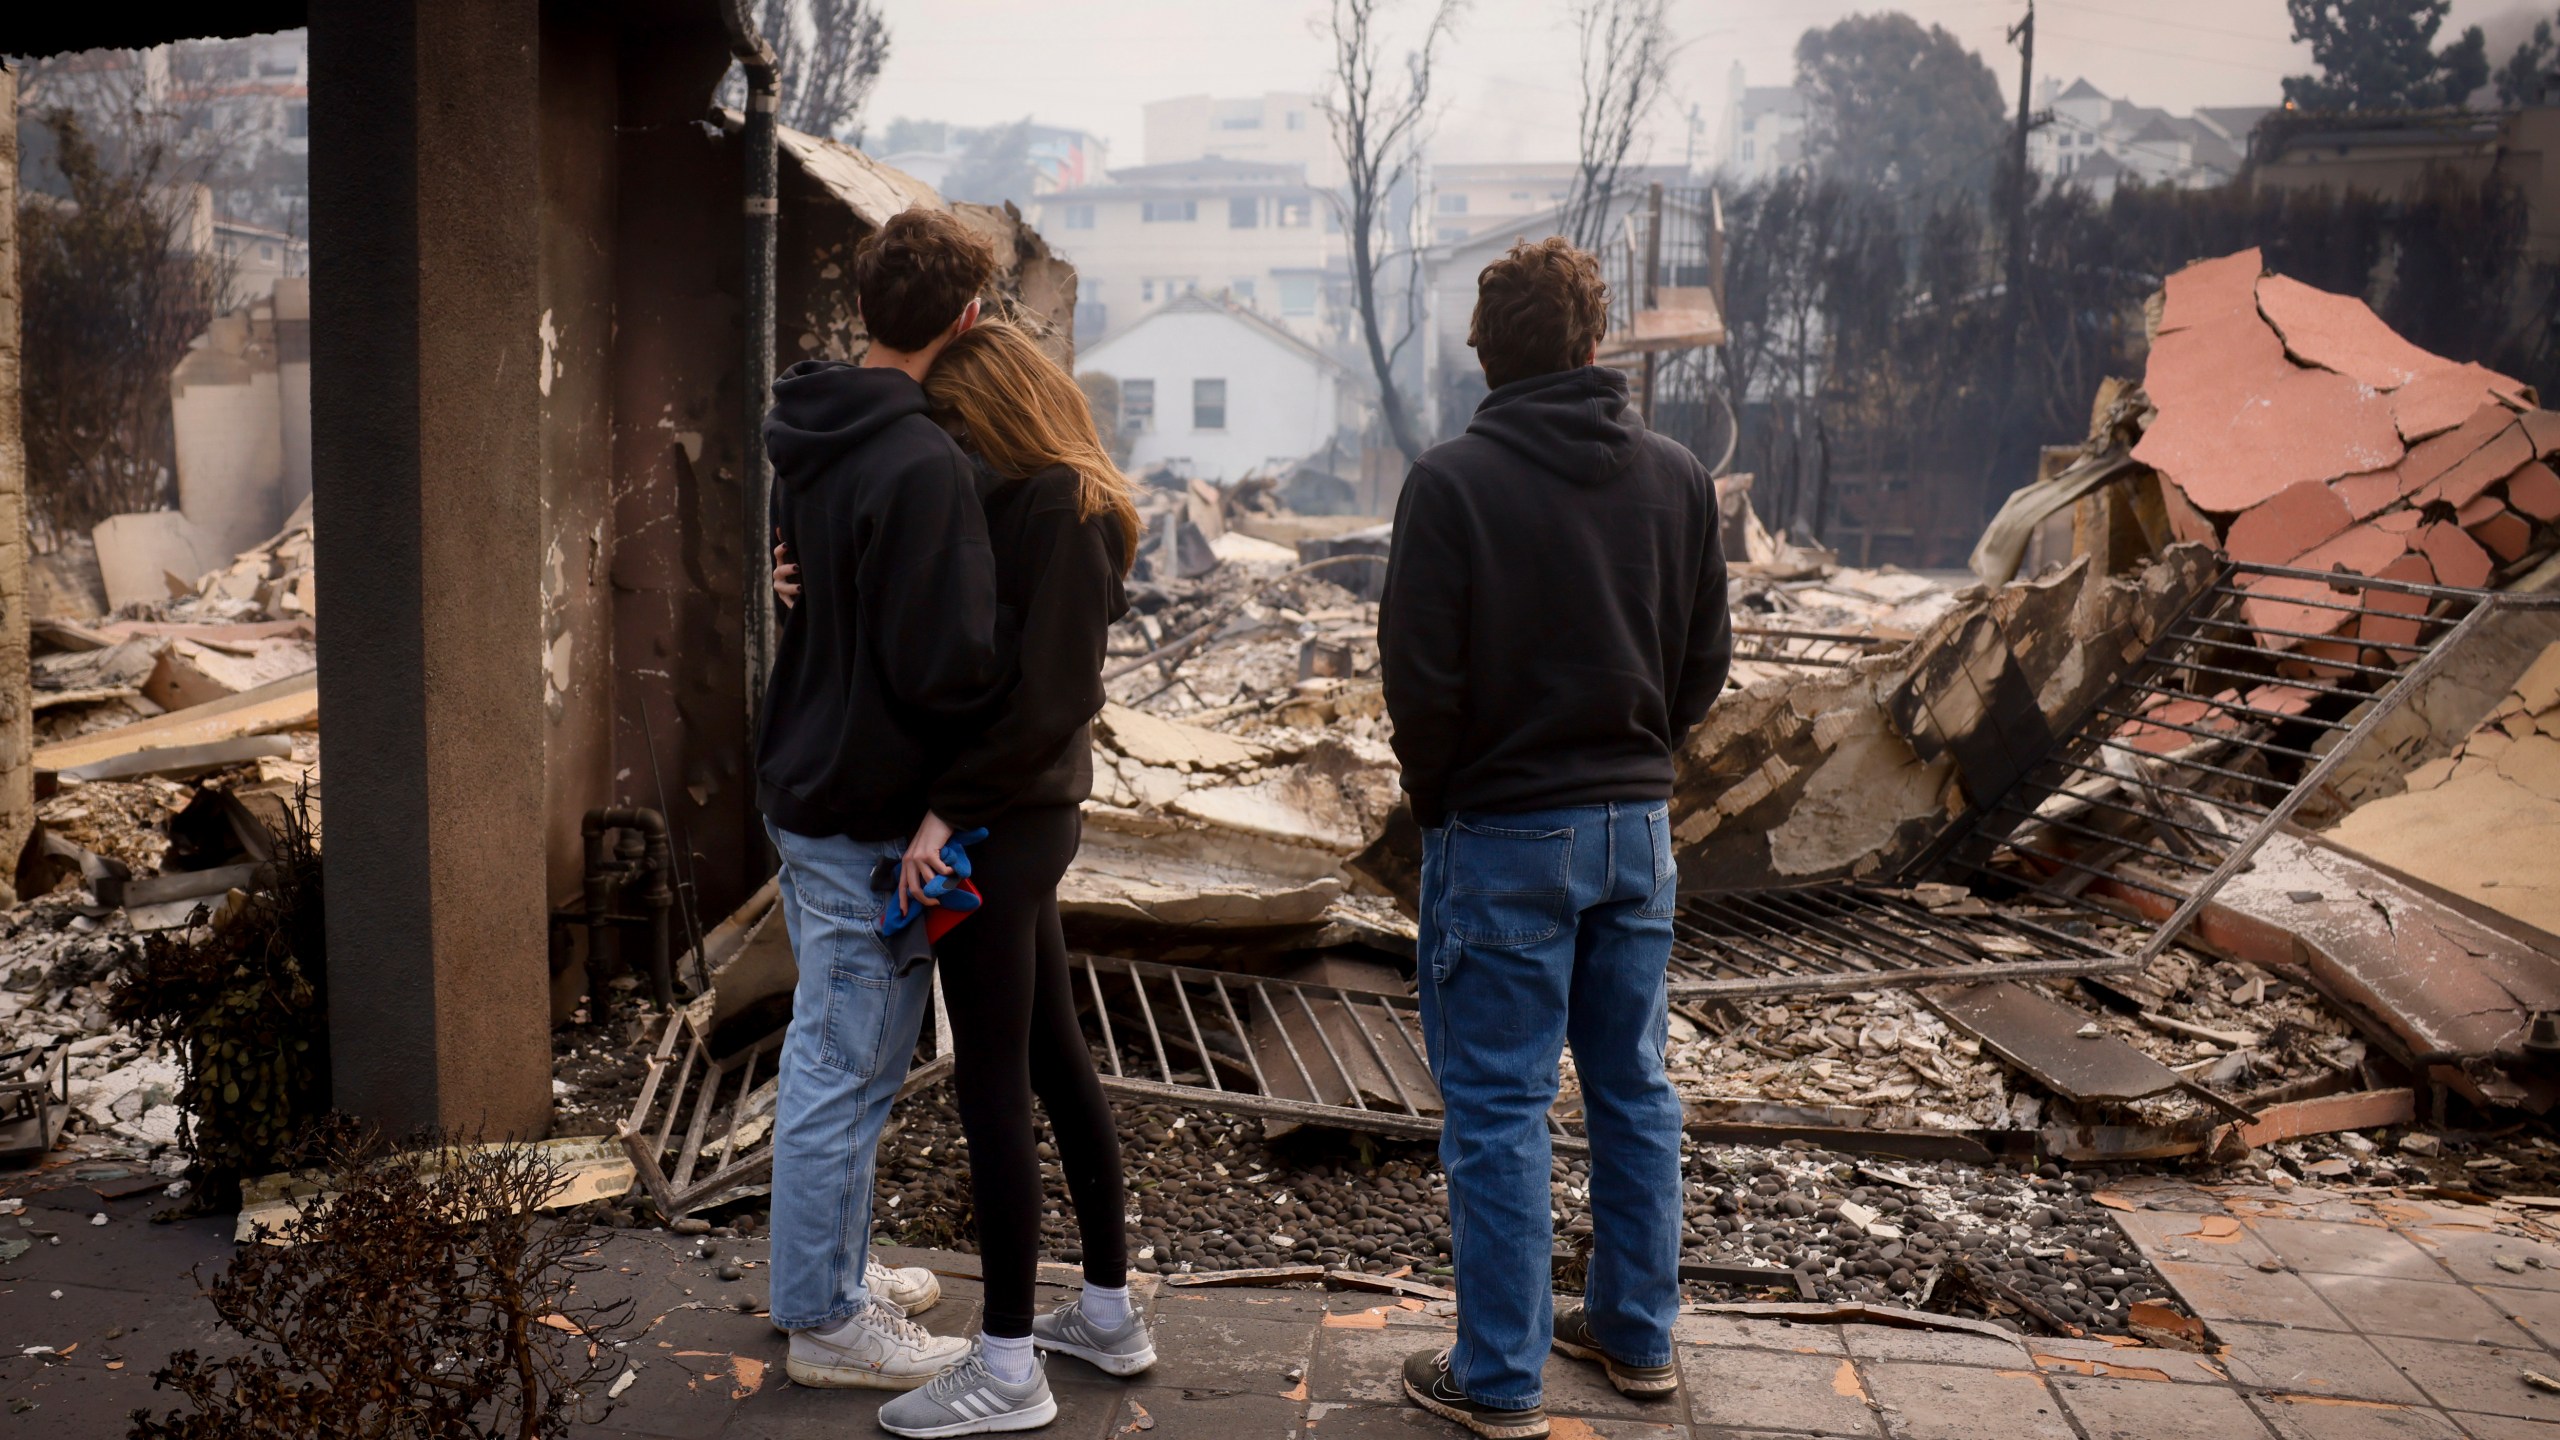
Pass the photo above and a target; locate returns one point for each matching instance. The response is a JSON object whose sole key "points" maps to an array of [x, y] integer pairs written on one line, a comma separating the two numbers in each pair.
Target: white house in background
{"points": [[1763, 128], [1211, 389], [2097, 141]]}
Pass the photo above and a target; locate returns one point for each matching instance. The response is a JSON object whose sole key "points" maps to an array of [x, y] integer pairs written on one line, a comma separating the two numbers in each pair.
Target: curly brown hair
{"points": [[914, 275], [1539, 309]]}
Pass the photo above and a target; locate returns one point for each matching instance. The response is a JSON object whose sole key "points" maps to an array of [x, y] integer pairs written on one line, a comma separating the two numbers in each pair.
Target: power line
{"points": [[2262, 67]]}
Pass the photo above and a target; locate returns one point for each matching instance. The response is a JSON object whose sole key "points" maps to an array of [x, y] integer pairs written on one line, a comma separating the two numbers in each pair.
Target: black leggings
{"points": [[1014, 1034]]}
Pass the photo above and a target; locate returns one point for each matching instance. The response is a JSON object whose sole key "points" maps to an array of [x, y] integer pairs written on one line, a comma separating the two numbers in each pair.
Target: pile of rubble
{"points": [[171, 739], [2200, 829]]}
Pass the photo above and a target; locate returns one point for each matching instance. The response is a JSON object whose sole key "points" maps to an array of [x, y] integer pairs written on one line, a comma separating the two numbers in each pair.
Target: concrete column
{"points": [[426, 364], [17, 774]]}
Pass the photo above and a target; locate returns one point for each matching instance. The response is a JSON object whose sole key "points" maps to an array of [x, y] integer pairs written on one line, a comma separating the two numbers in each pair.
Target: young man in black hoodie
{"points": [[1554, 622], [887, 656]]}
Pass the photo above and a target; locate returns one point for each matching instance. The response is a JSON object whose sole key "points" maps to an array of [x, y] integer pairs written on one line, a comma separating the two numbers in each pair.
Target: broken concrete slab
{"points": [[289, 704], [1168, 873], [2439, 988], [2484, 820], [181, 762], [1852, 771], [1171, 744], [2337, 332]]}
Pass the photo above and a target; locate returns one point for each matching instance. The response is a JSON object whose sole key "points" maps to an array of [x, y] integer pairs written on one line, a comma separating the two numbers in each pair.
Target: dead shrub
{"points": [[242, 998], [422, 1298]]}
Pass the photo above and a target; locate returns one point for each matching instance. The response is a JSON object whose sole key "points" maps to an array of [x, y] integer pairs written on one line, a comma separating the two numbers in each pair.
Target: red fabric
{"points": [[939, 919]]}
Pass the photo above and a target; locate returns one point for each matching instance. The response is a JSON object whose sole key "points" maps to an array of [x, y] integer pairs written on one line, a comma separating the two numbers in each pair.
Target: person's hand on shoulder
{"points": [[786, 577]]}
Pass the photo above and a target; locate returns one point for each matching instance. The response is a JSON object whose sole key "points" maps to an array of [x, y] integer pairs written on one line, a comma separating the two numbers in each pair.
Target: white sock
{"points": [[1105, 1305], [1008, 1357]]}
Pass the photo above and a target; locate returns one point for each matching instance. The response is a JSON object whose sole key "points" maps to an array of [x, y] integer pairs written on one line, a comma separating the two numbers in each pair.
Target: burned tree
{"points": [[1378, 130], [117, 285], [1626, 60], [829, 53]]}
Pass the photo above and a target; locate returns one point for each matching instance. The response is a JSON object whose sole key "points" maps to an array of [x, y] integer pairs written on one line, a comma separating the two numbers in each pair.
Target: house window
{"points": [[1079, 217], [1208, 404], [1242, 289], [1092, 318], [1240, 122], [1137, 405], [266, 251], [1165, 287], [297, 122], [1291, 214], [1297, 294], [1159, 212], [1297, 120], [1244, 212], [1453, 204]]}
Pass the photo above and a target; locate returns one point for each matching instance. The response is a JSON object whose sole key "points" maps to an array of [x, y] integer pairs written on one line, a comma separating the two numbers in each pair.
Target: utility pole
{"points": [[2022, 35], [1646, 296]]}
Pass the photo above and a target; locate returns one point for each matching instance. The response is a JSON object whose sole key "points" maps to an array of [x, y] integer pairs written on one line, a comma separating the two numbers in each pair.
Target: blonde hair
{"points": [[1021, 413]]}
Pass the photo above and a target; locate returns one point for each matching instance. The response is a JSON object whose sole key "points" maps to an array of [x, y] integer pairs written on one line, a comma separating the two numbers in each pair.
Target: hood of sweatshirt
{"points": [[1576, 423], [823, 408]]}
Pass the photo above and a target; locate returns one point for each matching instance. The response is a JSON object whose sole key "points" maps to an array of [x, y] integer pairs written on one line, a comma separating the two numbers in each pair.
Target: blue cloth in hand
{"points": [[949, 890]]}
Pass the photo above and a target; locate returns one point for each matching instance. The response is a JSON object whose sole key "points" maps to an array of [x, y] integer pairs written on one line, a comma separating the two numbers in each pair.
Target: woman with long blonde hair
{"points": [[1064, 532]]}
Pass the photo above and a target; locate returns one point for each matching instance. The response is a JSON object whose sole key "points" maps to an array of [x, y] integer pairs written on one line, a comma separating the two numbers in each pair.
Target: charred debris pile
{"points": [[2207, 823]]}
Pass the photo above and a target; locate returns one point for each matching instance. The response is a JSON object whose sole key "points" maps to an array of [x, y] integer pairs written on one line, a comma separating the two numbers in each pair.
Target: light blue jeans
{"points": [[1537, 929], [854, 1021]]}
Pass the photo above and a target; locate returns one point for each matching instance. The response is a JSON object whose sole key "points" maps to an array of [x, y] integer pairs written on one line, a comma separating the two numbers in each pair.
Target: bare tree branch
{"points": [[830, 53], [1626, 62], [1378, 129]]}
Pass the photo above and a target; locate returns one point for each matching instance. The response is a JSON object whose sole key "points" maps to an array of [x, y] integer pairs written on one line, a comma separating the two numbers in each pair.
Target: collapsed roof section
{"points": [[2291, 426]]}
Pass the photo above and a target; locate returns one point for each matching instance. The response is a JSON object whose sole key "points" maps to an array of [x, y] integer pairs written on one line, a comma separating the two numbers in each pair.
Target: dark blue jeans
{"points": [[1538, 929]]}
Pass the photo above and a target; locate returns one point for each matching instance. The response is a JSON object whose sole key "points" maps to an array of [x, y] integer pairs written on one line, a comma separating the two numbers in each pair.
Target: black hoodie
{"points": [[1554, 618], [892, 653], [1058, 591]]}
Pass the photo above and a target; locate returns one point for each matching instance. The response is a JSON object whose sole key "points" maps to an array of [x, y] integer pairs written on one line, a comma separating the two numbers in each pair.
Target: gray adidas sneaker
{"points": [[1124, 1351], [968, 1399]]}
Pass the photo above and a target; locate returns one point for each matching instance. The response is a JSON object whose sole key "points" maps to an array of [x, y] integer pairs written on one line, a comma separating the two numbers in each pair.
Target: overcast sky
{"points": [[1510, 82]]}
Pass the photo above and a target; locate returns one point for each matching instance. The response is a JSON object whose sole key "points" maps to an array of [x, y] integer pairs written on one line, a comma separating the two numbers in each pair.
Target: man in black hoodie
{"points": [[1554, 622], [886, 658]]}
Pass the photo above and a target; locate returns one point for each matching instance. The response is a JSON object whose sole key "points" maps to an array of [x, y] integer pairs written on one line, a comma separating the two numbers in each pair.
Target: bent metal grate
{"points": [[2248, 700]]}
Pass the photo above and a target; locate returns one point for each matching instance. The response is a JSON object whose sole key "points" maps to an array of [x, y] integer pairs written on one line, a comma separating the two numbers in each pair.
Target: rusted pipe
{"points": [[760, 190]]}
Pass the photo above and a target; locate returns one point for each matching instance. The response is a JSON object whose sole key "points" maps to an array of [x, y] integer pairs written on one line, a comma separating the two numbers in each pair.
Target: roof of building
{"points": [[2159, 129], [1211, 170], [2233, 121], [2082, 90], [1204, 304], [1772, 100], [2101, 166]]}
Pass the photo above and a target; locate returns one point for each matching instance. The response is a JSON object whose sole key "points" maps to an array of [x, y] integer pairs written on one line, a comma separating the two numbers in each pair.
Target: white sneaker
{"points": [[878, 1349], [911, 1288]]}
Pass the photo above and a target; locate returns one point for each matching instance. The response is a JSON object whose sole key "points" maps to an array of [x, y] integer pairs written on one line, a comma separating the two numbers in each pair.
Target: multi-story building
{"points": [[1277, 128], [1253, 231], [1763, 128], [1468, 200], [2096, 141], [246, 106]]}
